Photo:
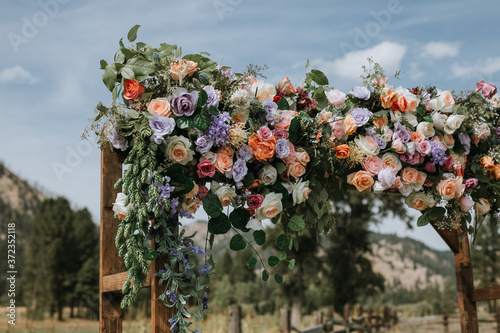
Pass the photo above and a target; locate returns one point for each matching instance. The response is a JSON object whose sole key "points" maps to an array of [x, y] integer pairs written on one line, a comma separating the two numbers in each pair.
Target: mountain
{"points": [[404, 262], [18, 204]]}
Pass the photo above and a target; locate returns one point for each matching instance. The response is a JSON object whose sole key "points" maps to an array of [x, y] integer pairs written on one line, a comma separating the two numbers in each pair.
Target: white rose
{"points": [[271, 206], [263, 90], [453, 123], [411, 147], [335, 97], [411, 119], [255, 224], [268, 175], [396, 116], [300, 192], [439, 120], [426, 128], [406, 189], [225, 193], [386, 133], [241, 99], [210, 156], [495, 101], [417, 200], [392, 159], [178, 149], [436, 104], [119, 205], [447, 100], [367, 144], [378, 187]]}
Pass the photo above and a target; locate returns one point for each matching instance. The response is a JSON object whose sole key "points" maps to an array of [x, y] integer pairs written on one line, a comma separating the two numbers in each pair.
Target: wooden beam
{"points": [[450, 237], [486, 294], [110, 313], [160, 314], [114, 282]]}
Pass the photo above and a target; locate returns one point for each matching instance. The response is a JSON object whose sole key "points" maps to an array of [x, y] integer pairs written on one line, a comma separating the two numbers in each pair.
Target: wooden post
{"points": [[387, 317], [159, 312], [347, 311], [445, 319], [234, 315], [110, 313], [318, 318], [284, 320], [498, 320], [464, 279], [369, 320], [377, 319]]}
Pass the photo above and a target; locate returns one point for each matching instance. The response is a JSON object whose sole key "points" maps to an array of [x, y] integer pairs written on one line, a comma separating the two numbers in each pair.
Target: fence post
{"points": [[234, 315], [284, 320], [377, 319], [387, 317], [318, 318], [498, 320], [445, 319], [369, 320]]}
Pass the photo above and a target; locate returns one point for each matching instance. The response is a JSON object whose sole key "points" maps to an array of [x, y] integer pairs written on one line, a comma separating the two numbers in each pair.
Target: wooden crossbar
{"points": [[486, 294], [114, 282]]}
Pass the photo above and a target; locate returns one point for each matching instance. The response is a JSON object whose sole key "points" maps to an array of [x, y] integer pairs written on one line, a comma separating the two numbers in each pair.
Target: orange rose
{"points": [[362, 180], [226, 150], [495, 173], [182, 68], [255, 183], [350, 125], [342, 151], [388, 99], [133, 89], [409, 175], [451, 188], [379, 122], [193, 192], [402, 103], [296, 170], [191, 205], [417, 137], [487, 162], [159, 106], [262, 150], [223, 163]]}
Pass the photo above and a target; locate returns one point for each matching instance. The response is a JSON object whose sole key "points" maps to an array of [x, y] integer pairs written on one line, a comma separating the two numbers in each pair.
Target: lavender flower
{"points": [[175, 253], [240, 170], [204, 269], [204, 300], [173, 323], [402, 132], [227, 73], [465, 141], [270, 111], [184, 102], [213, 97], [198, 250], [360, 92], [361, 115], [161, 126], [282, 148], [438, 153], [203, 144], [171, 295], [219, 129], [245, 153]]}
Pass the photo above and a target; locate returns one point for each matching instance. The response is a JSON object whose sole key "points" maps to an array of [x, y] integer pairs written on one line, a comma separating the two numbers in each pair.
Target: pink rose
{"points": [[205, 169], [424, 147], [265, 133], [337, 129], [398, 146], [254, 201], [284, 120], [381, 81], [488, 89], [202, 191], [372, 165], [470, 184], [448, 163], [280, 133], [430, 167], [335, 97], [466, 204]]}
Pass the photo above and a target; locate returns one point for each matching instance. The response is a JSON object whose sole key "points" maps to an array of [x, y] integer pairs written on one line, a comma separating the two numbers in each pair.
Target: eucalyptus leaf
{"points": [[219, 225], [273, 261], [212, 205], [278, 278], [259, 236], [132, 34], [237, 243], [296, 223], [251, 262]]}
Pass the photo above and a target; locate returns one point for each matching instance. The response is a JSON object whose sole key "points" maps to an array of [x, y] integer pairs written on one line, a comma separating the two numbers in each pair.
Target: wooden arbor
{"points": [[112, 277]]}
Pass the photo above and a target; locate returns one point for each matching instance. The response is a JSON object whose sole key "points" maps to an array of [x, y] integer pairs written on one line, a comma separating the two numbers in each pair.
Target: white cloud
{"points": [[387, 54], [415, 72], [17, 74], [440, 50], [480, 68]]}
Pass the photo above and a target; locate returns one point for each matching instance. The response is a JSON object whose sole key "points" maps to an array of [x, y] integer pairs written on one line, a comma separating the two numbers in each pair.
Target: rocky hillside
{"points": [[404, 262]]}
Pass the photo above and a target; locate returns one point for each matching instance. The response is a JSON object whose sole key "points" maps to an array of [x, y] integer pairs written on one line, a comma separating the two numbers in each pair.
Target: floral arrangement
{"points": [[196, 134]]}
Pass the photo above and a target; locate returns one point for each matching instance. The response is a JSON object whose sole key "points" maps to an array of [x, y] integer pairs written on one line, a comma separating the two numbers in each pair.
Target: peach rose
{"points": [[286, 86], [482, 207], [372, 165], [367, 144], [178, 149], [417, 200], [262, 150], [223, 163], [338, 130], [362, 180], [225, 193], [488, 163], [132, 89], [495, 173], [342, 151], [227, 150], [300, 192], [402, 103], [350, 124], [398, 146], [417, 137], [296, 170], [388, 99], [284, 120], [182, 68], [421, 178], [412, 103], [271, 206], [191, 205], [451, 188], [194, 192], [391, 160], [302, 157], [409, 175], [160, 106], [381, 81], [379, 122]]}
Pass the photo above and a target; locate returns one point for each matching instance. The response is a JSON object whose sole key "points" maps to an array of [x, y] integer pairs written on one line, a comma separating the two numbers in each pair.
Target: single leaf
{"points": [[127, 73], [265, 275], [280, 167], [184, 122], [103, 64], [109, 76], [259, 236], [212, 205], [282, 242], [318, 77], [296, 223], [202, 121], [273, 261], [239, 218], [237, 243], [150, 255], [283, 104], [141, 67], [294, 130], [202, 98], [278, 278], [283, 255], [291, 264], [251, 262], [436, 212], [132, 34], [219, 225], [423, 220]]}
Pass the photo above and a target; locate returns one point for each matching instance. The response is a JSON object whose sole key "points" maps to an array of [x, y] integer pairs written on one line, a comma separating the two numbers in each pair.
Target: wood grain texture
{"points": [[114, 282], [160, 314], [486, 294]]}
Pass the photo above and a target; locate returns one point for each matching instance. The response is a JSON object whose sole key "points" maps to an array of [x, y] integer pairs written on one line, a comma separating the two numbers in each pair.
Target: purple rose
{"points": [[402, 132], [213, 97], [118, 141], [184, 102], [360, 92], [361, 115], [239, 170], [245, 153], [282, 148], [271, 109], [381, 143], [470, 184], [203, 144], [161, 126], [465, 141], [386, 177]]}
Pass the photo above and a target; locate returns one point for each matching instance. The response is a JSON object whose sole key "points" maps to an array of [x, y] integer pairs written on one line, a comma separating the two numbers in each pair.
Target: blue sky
{"points": [[50, 79]]}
